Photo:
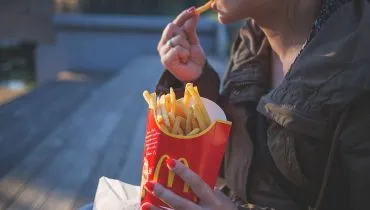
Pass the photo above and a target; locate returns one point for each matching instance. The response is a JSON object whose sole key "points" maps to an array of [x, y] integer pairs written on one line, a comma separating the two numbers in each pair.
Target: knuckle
{"points": [[165, 62], [177, 49], [171, 26], [181, 170], [159, 192], [161, 50]]}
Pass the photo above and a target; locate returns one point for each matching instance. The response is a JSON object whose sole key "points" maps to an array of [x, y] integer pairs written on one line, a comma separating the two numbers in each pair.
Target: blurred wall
{"points": [[107, 43], [27, 20]]}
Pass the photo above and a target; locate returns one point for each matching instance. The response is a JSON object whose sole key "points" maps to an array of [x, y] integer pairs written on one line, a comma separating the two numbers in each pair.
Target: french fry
{"points": [[189, 117], [164, 111], [193, 132], [176, 126], [196, 90], [199, 116], [181, 132], [168, 102], [180, 109], [164, 128], [172, 117], [148, 99], [204, 8], [154, 100], [180, 117], [173, 100], [187, 99], [159, 119], [194, 123], [182, 123], [158, 113], [198, 101]]}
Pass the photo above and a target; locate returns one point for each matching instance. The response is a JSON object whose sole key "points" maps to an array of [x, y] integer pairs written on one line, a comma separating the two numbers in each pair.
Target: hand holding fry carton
{"points": [[192, 130]]}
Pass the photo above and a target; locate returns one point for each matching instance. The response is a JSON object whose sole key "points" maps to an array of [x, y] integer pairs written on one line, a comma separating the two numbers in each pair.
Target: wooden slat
{"points": [[24, 132], [66, 97]]}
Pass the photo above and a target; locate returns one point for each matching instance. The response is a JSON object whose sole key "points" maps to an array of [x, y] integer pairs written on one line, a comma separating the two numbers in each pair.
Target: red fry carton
{"points": [[202, 153]]}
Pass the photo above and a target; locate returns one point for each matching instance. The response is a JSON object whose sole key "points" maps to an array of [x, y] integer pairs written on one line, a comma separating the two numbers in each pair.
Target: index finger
{"points": [[184, 16], [197, 185]]}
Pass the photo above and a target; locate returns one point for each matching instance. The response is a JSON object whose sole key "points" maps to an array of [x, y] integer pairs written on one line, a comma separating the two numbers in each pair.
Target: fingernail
{"points": [[149, 186], [191, 10], [146, 206], [170, 163]]}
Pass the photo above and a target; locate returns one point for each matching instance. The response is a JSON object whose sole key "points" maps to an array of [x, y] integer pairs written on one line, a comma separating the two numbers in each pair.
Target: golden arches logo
{"points": [[171, 175]]}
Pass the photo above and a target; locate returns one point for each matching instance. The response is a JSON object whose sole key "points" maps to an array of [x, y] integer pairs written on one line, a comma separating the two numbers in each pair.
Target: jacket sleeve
{"points": [[208, 84], [355, 150]]}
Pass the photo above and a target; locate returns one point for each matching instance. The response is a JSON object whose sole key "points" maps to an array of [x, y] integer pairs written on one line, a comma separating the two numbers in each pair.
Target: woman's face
{"points": [[234, 10]]}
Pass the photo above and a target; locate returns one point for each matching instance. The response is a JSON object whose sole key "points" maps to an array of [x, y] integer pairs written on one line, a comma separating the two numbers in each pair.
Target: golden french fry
{"points": [[180, 109], [203, 8], [181, 132], [154, 99], [172, 117], [158, 113], [184, 117], [196, 90], [187, 97], [198, 101], [189, 117], [199, 116], [176, 126], [148, 99], [164, 111], [194, 123], [182, 122], [164, 128], [173, 100], [193, 132], [159, 119], [168, 102]]}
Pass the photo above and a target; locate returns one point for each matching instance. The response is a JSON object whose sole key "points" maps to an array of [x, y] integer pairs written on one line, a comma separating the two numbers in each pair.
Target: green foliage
{"points": [[17, 62]]}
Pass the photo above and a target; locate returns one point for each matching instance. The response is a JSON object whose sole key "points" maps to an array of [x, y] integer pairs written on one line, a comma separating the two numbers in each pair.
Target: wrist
{"points": [[198, 75]]}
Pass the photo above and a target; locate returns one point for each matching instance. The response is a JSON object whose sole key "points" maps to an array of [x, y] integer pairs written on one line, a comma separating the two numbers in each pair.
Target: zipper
{"points": [[241, 84]]}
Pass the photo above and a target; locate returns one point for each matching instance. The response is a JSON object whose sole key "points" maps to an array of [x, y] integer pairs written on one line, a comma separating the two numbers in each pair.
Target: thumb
{"points": [[190, 28]]}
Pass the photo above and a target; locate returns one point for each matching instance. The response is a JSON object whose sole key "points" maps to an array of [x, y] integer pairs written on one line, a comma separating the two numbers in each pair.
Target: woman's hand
{"points": [[179, 47], [209, 199]]}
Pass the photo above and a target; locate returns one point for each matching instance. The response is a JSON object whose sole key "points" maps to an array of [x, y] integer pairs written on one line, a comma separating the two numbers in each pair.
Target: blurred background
{"points": [[72, 73]]}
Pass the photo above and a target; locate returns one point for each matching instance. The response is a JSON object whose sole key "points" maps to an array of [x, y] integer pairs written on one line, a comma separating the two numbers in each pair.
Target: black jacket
{"points": [[306, 143]]}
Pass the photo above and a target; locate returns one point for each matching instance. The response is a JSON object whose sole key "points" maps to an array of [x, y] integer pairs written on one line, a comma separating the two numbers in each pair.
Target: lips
{"points": [[214, 6]]}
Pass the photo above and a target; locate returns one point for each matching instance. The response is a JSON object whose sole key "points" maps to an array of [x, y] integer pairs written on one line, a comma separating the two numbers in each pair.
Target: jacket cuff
{"points": [[252, 207], [208, 84]]}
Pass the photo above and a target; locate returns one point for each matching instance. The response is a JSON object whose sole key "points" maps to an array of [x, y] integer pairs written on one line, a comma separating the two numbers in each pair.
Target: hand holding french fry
{"points": [[179, 47], [184, 117]]}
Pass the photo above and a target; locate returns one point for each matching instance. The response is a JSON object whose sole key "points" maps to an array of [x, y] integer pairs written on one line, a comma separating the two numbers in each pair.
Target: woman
{"points": [[297, 92]]}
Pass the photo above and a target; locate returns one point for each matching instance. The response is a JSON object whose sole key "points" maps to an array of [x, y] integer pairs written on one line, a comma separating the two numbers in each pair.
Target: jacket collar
{"points": [[331, 71]]}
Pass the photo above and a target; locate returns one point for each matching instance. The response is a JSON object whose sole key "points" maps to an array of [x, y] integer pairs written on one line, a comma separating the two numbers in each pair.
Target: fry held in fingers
{"points": [[185, 117], [204, 8]]}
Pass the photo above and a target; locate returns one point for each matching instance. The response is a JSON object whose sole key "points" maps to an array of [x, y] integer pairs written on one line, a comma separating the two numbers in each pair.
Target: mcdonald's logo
{"points": [[171, 175]]}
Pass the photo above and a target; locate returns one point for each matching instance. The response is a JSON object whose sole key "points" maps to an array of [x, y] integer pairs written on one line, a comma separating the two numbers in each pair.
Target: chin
{"points": [[224, 19]]}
